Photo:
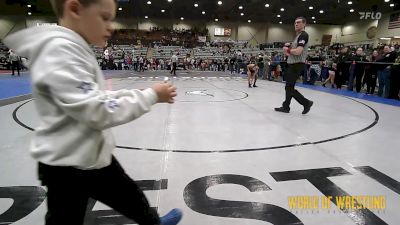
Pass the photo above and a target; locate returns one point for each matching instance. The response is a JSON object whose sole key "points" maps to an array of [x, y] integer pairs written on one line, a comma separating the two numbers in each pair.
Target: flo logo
{"points": [[370, 15], [200, 92]]}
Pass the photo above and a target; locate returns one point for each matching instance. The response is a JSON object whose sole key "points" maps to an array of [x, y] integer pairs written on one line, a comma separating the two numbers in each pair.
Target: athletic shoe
{"points": [[255, 85], [171, 218]]}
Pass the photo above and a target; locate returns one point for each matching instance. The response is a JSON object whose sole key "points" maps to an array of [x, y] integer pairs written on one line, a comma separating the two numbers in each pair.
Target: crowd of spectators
{"points": [[360, 69], [188, 38], [374, 71]]}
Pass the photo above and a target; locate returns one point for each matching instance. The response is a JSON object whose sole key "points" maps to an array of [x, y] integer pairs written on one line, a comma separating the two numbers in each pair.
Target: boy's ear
{"points": [[73, 7]]}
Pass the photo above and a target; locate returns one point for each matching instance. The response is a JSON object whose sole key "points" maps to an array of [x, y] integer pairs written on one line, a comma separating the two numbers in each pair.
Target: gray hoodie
{"points": [[75, 109]]}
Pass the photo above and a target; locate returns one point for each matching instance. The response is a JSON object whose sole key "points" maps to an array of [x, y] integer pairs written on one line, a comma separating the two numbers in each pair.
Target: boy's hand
{"points": [[165, 92]]}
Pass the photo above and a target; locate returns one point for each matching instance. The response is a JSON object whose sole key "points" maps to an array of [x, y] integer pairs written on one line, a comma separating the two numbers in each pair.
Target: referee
{"points": [[297, 55]]}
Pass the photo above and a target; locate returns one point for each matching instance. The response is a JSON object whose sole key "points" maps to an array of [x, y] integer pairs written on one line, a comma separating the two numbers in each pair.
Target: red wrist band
{"points": [[288, 50]]}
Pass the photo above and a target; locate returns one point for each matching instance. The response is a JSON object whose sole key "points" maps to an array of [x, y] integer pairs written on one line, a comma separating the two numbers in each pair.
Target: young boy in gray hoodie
{"points": [[73, 143]]}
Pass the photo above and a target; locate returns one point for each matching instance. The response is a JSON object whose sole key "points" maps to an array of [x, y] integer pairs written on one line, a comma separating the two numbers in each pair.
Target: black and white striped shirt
{"points": [[300, 40]]}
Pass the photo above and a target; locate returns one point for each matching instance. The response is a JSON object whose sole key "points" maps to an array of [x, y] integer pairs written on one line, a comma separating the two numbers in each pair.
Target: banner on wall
{"points": [[225, 32], [326, 39], [202, 39]]}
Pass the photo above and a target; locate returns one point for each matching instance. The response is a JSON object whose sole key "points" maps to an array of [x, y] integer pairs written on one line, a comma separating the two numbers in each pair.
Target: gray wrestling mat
{"points": [[224, 156]]}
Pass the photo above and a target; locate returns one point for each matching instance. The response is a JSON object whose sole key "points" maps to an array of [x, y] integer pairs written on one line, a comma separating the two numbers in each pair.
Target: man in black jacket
{"points": [[357, 71], [395, 79], [232, 64], [384, 71], [371, 70], [260, 64], [343, 67]]}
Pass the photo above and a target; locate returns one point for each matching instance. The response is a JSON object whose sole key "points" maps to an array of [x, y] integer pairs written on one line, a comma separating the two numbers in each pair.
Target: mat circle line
{"points": [[233, 150]]}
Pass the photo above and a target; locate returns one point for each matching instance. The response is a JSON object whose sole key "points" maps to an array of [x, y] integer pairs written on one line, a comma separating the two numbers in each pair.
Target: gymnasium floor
{"points": [[224, 156]]}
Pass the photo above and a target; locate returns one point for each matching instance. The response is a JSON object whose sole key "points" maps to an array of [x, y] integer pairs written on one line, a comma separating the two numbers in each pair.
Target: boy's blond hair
{"points": [[58, 6]]}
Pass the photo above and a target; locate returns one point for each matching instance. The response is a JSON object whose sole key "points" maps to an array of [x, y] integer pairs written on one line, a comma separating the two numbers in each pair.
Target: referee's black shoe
{"points": [[307, 107]]}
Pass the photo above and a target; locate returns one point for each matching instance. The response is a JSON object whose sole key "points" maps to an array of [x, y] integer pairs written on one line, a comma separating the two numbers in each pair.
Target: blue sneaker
{"points": [[171, 218]]}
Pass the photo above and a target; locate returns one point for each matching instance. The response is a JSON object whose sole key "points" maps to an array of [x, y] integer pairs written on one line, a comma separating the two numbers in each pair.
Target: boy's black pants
{"points": [[69, 190]]}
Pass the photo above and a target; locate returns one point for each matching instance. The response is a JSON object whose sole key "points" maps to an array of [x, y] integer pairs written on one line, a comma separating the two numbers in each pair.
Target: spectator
{"points": [[15, 61], [371, 73], [384, 71], [357, 70], [332, 73]]}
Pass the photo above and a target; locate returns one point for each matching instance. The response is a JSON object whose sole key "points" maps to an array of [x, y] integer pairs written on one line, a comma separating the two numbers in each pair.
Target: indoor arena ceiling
{"points": [[333, 11]]}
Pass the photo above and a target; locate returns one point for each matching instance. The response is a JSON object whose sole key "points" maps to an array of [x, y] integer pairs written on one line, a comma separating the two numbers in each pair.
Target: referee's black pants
{"points": [[293, 73], [173, 70], [15, 66]]}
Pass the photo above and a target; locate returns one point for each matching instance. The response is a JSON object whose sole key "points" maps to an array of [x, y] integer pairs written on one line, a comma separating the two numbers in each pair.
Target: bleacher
{"points": [[3, 56], [137, 51], [209, 53], [248, 51], [165, 52]]}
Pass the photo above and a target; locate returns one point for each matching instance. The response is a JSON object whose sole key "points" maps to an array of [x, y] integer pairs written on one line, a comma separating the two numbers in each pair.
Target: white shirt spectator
{"points": [[106, 54], [13, 57], [174, 58]]}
